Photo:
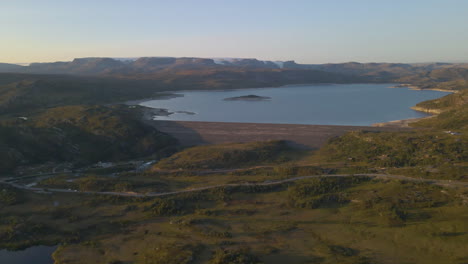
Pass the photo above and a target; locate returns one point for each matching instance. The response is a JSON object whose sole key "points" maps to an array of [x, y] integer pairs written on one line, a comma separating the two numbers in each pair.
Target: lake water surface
{"points": [[337, 104], [32, 255]]}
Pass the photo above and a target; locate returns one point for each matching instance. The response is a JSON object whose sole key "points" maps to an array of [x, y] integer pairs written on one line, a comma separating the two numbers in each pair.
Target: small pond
{"points": [[32, 255]]}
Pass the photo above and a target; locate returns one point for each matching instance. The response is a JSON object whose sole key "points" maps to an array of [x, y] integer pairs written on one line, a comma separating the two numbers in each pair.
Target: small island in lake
{"points": [[250, 97]]}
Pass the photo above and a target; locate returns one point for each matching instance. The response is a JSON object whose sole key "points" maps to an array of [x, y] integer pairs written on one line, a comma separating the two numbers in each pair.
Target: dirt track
{"points": [[310, 136], [444, 183]]}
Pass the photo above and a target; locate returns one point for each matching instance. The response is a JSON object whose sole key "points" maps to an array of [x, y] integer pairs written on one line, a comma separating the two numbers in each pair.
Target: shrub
{"points": [[239, 256], [169, 254]]}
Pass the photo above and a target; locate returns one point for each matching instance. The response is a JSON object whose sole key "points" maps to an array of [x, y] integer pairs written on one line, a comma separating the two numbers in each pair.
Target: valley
{"points": [[105, 183]]}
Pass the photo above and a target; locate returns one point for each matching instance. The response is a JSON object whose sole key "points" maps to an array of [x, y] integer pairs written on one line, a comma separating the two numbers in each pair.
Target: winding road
{"points": [[444, 183]]}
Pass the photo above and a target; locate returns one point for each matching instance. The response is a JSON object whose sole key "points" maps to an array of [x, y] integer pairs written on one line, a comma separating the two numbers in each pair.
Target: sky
{"points": [[307, 31]]}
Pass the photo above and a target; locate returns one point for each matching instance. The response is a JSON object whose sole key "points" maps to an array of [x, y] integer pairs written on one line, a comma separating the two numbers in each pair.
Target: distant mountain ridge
{"points": [[8, 67], [170, 73], [150, 65]]}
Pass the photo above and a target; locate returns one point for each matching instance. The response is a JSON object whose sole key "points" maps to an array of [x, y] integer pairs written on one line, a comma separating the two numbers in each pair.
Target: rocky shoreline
{"points": [[403, 123], [407, 122], [417, 88]]}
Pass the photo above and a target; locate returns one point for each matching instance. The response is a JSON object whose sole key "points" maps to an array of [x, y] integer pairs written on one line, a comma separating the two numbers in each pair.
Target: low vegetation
{"points": [[239, 256], [453, 119], [169, 254], [431, 154], [227, 156], [323, 220]]}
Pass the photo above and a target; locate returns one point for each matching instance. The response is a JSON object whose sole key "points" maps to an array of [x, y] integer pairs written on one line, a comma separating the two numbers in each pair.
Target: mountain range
{"points": [[151, 67]]}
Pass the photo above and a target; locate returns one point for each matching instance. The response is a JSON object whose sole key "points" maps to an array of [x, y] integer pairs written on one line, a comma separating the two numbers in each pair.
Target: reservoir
{"points": [[321, 104]]}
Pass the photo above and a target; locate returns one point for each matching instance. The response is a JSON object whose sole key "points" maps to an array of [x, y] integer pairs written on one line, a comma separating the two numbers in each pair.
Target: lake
{"points": [[36, 255], [333, 104]]}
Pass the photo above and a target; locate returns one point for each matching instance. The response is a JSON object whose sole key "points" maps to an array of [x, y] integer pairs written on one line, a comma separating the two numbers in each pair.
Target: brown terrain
{"points": [[191, 133]]}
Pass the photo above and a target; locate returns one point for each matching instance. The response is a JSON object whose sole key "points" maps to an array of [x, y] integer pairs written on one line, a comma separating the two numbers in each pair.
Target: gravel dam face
{"points": [[305, 136]]}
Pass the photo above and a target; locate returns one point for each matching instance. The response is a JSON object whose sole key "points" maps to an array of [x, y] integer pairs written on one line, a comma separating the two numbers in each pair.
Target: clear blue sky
{"points": [[308, 31]]}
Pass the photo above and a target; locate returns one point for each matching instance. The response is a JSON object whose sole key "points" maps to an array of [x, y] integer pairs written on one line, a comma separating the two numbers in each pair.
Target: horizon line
{"points": [[25, 64]]}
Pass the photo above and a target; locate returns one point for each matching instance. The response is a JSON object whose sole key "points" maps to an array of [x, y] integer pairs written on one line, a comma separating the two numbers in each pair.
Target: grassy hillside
{"points": [[454, 119], [21, 93], [226, 156], [453, 110], [447, 102], [420, 153], [79, 134]]}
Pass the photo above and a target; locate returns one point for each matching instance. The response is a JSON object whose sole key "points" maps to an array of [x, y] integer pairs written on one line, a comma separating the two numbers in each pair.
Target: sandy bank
{"points": [[404, 123]]}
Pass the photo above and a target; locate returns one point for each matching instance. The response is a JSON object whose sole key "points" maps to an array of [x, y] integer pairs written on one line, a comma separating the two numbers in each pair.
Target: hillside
{"points": [[104, 80], [438, 149], [452, 112], [25, 92], [7, 67], [448, 78], [226, 156], [80, 135], [445, 103]]}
